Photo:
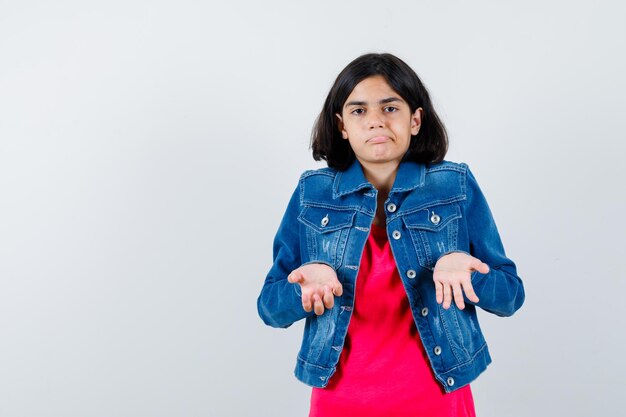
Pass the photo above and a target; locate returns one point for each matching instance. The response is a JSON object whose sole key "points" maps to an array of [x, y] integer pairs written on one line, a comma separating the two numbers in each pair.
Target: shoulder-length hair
{"points": [[428, 146]]}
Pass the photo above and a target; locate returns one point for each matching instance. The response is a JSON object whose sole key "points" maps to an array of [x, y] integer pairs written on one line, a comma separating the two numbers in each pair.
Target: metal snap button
{"points": [[450, 381], [411, 273], [434, 218], [391, 207], [325, 221], [396, 234], [437, 350], [424, 311]]}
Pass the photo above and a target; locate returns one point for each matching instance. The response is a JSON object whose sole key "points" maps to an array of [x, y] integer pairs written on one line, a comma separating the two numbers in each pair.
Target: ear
{"points": [[344, 134], [416, 121]]}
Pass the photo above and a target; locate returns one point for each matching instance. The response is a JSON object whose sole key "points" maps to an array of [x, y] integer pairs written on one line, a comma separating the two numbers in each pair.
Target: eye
{"points": [[390, 109], [358, 112]]}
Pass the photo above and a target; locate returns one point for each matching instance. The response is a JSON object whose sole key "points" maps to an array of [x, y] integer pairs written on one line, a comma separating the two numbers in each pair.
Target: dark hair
{"points": [[428, 146]]}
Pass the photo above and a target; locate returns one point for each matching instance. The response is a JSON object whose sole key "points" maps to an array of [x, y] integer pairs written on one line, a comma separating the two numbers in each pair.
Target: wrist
{"points": [[451, 251]]}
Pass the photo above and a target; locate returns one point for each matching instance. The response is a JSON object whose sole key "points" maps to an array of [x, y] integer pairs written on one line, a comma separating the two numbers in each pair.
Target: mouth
{"points": [[379, 139]]}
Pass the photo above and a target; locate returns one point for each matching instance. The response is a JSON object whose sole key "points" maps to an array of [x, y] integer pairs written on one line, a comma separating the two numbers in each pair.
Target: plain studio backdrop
{"points": [[148, 150]]}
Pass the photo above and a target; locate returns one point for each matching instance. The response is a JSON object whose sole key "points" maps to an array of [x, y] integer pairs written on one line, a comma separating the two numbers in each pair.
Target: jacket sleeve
{"points": [[280, 302], [500, 290]]}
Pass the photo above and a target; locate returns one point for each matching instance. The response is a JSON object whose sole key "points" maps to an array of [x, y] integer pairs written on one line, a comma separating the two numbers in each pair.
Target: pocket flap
{"points": [[433, 218], [326, 220]]}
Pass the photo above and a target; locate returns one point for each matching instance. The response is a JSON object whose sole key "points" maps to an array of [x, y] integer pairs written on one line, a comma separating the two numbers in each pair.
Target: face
{"points": [[378, 123]]}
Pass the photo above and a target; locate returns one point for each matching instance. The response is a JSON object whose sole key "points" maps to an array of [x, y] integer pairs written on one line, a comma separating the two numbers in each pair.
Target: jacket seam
{"points": [[467, 362]]}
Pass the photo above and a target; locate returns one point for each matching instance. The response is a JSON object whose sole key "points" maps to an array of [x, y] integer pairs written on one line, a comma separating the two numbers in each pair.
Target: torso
{"points": [[383, 369]]}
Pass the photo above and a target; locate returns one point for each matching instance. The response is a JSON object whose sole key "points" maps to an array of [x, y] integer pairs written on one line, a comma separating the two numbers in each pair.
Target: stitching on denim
{"points": [[427, 252], [463, 180], [453, 232], [425, 226], [302, 218], [350, 191], [457, 327], [467, 362], [447, 330], [417, 246], [334, 207], [323, 171], [345, 236], [446, 166], [318, 204], [311, 243], [301, 190], [312, 365], [336, 182], [325, 326], [334, 255], [403, 189], [433, 204], [362, 229]]}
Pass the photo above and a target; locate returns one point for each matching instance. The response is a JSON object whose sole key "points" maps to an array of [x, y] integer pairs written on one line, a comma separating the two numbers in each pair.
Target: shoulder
{"points": [[447, 166], [317, 184], [452, 174], [318, 177], [320, 174]]}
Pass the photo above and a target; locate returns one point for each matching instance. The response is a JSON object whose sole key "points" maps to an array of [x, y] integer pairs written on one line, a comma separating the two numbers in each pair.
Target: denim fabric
{"points": [[431, 210]]}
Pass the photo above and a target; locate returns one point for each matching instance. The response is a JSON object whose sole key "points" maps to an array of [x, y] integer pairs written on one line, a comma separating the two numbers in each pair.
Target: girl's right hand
{"points": [[319, 286]]}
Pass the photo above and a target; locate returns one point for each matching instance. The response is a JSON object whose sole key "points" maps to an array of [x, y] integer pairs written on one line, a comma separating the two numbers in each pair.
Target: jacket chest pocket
{"points": [[327, 231], [434, 231]]}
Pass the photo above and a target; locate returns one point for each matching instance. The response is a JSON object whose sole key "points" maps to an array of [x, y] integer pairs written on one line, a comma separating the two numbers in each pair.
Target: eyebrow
{"points": [[383, 101]]}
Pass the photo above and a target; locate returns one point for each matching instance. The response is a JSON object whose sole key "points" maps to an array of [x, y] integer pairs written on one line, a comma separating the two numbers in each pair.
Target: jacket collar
{"points": [[410, 176]]}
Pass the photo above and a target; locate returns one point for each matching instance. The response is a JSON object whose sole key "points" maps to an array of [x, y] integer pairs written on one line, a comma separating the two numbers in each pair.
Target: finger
{"points": [[318, 306], [338, 289], [439, 292], [306, 302], [329, 300], [469, 292], [295, 276], [458, 296], [447, 296]]}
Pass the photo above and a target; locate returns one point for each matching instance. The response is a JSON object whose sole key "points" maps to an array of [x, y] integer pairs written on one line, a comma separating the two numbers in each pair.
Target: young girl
{"points": [[386, 254]]}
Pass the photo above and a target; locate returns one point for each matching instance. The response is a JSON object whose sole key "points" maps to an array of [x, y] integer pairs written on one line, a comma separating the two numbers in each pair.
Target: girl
{"points": [[386, 254]]}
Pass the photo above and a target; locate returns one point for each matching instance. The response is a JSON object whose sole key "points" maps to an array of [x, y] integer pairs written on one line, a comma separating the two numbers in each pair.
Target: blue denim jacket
{"points": [[431, 210]]}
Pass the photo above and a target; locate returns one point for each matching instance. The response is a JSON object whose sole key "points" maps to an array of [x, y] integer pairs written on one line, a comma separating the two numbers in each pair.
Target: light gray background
{"points": [[148, 150]]}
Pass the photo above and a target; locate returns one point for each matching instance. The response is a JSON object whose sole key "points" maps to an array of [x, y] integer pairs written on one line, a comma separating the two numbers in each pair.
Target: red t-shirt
{"points": [[383, 369]]}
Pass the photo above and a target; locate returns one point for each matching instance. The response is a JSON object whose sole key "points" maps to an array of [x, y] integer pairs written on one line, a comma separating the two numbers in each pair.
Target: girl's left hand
{"points": [[452, 276]]}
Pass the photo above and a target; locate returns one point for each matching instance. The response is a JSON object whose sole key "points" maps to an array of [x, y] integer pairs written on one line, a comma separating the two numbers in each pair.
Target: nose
{"points": [[375, 120]]}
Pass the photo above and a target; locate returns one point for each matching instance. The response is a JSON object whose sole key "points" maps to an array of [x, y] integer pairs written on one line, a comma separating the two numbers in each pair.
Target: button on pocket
{"points": [[327, 230], [434, 232], [325, 221]]}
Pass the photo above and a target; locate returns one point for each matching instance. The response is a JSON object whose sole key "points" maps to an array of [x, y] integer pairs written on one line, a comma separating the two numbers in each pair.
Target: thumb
{"points": [[295, 276], [480, 266]]}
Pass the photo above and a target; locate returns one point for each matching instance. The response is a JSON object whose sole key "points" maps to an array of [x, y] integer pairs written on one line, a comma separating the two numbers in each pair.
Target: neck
{"points": [[381, 176]]}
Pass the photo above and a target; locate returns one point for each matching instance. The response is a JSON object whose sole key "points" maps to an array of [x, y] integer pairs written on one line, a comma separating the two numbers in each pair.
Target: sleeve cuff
{"points": [[452, 251]]}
